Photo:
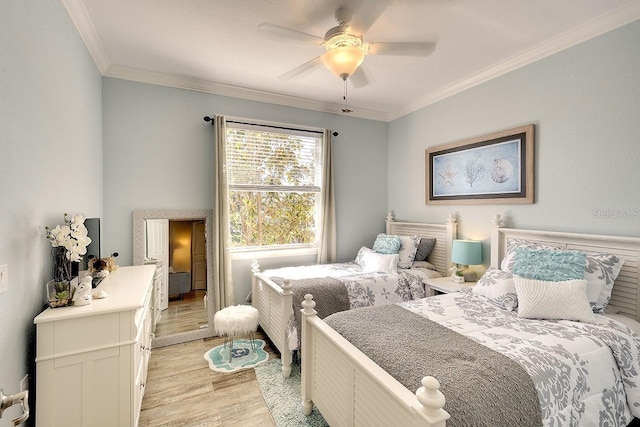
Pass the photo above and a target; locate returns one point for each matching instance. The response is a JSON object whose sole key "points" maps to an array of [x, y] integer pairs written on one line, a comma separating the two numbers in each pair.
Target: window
{"points": [[274, 177]]}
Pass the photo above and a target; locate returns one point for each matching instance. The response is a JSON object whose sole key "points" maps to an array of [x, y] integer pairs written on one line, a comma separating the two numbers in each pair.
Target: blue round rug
{"points": [[243, 356]]}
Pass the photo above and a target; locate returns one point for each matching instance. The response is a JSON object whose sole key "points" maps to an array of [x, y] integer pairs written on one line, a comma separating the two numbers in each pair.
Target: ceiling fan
{"points": [[345, 46]]}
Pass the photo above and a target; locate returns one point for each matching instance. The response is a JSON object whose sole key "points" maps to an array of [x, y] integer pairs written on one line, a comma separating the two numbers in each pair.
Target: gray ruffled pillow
{"points": [[424, 248]]}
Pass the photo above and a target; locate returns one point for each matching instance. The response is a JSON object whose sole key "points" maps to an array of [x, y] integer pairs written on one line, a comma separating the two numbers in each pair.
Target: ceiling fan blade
{"points": [[401, 49], [301, 70], [359, 78], [288, 33]]}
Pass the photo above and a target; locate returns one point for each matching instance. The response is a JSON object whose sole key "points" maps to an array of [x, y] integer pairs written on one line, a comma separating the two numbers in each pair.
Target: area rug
{"points": [[243, 356], [283, 397]]}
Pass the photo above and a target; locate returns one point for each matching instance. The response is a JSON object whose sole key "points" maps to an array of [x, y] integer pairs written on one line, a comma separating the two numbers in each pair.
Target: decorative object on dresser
{"points": [[466, 253], [82, 294], [495, 168], [91, 361], [69, 243], [99, 268]]}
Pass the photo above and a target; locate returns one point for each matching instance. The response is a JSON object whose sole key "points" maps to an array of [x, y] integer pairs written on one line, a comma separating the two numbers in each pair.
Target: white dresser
{"points": [[91, 361], [158, 291]]}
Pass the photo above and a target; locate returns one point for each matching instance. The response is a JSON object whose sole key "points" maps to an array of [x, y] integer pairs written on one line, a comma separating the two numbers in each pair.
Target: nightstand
{"points": [[444, 285]]}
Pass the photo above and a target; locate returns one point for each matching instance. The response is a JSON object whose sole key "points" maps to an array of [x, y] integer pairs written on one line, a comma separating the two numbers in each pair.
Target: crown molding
{"points": [[596, 27], [80, 17], [589, 30], [199, 85]]}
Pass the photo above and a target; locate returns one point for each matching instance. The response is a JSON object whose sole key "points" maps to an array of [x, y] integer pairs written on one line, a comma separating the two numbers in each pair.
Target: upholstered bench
{"points": [[234, 321]]}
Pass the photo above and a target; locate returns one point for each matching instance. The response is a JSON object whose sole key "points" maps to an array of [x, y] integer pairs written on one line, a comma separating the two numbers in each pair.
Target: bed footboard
{"points": [[275, 308], [350, 389]]}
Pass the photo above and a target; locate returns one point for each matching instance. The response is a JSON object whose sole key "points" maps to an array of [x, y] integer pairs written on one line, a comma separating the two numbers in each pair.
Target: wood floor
{"points": [[182, 391], [184, 315]]}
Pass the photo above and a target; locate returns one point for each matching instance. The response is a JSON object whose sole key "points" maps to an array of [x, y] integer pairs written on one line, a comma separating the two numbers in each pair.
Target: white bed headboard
{"points": [[444, 234], [626, 289]]}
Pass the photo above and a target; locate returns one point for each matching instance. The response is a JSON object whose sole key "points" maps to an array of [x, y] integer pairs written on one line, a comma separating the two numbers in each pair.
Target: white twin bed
{"points": [[277, 294], [514, 370]]}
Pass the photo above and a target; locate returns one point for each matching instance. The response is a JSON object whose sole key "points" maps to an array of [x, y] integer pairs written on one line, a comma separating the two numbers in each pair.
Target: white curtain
{"points": [[223, 281], [327, 222]]}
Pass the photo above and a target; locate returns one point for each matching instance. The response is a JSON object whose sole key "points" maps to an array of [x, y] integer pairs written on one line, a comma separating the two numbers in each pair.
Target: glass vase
{"points": [[61, 265], [59, 293]]}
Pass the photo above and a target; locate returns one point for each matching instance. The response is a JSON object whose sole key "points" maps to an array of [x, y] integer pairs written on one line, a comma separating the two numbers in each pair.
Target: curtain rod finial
{"points": [[335, 134], [208, 119]]}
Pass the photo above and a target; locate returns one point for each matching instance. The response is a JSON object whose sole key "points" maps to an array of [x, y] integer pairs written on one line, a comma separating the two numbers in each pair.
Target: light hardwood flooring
{"points": [[184, 315], [181, 390]]}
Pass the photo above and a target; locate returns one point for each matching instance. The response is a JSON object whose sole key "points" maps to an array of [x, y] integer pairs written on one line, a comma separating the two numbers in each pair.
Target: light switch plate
{"points": [[4, 282]]}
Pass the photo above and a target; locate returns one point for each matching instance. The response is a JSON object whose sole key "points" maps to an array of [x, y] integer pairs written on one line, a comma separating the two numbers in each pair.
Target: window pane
{"points": [[260, 218], [268, 158]]}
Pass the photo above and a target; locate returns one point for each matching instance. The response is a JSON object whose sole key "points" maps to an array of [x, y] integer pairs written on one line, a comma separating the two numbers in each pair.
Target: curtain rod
{"points": [[209, 119]]}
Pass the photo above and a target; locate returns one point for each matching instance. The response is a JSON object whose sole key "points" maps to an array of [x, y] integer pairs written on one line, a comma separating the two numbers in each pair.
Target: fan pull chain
{"points": [[346, 106]]}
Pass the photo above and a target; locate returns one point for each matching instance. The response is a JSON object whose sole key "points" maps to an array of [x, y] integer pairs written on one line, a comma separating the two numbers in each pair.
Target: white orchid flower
{"points": [[69, 244], [76, 221], [80, 249], [60, 235], [74, 257], [83, 241], [81, 231]]}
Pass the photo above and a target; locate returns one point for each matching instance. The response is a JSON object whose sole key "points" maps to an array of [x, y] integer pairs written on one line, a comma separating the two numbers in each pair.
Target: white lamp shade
{"points": [[343, 61], [466, 252]]}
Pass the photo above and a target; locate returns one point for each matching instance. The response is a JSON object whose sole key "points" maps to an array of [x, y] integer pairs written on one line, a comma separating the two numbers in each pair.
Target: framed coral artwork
{"points": [[495, 168]]}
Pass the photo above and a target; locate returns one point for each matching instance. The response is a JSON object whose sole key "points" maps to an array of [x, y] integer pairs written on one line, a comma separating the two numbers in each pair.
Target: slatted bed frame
{"points": [[275, 302], [350, 389]]}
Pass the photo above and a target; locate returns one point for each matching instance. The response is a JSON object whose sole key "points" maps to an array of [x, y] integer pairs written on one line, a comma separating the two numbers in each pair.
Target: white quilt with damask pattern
{"points": [[585, 374], [364, 289]]}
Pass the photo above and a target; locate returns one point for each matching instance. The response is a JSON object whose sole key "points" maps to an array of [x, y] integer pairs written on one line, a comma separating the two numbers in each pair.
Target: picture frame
{"points": [[491, 169]]}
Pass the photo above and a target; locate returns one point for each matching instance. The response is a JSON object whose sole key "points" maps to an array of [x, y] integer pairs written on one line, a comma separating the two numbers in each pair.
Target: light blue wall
{"points": [[585, 103], [50, 161], [158, 153]]}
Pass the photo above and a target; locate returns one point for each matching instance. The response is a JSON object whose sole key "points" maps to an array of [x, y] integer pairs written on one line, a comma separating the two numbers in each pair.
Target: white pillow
{"points": [[601, 270], [407, 252], [498, 286], [374, 262], [565, 300], [360, 257]]}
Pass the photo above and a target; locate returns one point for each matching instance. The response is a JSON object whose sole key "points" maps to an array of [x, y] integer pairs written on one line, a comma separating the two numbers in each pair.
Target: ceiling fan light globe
{"points": [[343, 60]]}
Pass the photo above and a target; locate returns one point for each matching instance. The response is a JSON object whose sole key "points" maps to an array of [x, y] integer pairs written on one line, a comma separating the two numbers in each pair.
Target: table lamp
{"points": [[466, 253]]}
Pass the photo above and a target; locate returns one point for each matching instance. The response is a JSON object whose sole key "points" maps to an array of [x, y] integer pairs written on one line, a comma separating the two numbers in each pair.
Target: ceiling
{"points": [[214, 46]]}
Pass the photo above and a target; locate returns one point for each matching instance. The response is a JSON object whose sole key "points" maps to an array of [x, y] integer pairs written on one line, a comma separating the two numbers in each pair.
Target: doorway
{"points": [[187, 255]]}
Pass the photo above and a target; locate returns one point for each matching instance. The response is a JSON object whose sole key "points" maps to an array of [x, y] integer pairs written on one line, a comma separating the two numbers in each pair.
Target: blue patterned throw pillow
{"points": [[387, 244], [549, 265]]}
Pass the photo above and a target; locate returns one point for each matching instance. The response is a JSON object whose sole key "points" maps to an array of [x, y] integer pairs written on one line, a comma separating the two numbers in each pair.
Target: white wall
{"points": [[158, 153], [50, 162], [585, 103]]}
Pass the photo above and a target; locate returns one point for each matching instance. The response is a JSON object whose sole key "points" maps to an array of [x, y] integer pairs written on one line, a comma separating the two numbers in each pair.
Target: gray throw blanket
{"points": [[481, 387], [330, 295]]}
